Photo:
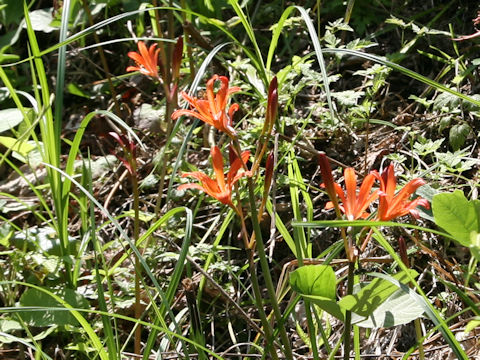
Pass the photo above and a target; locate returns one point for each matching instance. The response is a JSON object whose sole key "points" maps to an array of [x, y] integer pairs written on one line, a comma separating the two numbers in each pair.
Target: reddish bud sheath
{"points": [[402, 247], [272, 105], [269, 170], [177, 59], [327, 177]]}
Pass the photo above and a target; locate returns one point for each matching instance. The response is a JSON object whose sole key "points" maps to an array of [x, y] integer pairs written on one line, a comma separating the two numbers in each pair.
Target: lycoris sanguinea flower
{"points": [[212, 110], [354, 205], [146, 59], [392, 206], [219, 188]]}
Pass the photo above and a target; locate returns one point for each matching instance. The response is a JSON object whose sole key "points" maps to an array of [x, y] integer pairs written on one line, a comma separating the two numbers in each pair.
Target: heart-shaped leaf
{"points": [[373, 295], [316, 280], [398, 309], [458, 216]]}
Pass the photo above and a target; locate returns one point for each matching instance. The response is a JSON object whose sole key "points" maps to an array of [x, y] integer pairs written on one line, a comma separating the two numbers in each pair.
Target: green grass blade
{"points": [[94, 339], [421, 298], [26, 343], [51, 141], [216, 242], [98, 312], [251, 34], [282, 229], [298, 233], [131, 245], [175, 278], [316, 45], [406, 72], [366, 223], [112, 345]]}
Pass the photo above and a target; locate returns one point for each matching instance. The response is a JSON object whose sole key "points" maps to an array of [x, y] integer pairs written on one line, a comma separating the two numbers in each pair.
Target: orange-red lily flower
{"points": [[146, 59], [219, 188], [354, 205], [391, 205], [213, 110]]}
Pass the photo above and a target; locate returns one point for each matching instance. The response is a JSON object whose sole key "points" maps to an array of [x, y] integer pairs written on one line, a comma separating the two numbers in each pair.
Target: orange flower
{"points": [[146, 60], [219, 188], [354, 205], [213, 110], [391, 205]]}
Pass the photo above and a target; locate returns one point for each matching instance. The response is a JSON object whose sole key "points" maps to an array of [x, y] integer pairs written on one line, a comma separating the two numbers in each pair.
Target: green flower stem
{"points": [[138, 268], [266, 269], [419, 336], [348, 314], [263, 260], [311, 330], [267, 329]]}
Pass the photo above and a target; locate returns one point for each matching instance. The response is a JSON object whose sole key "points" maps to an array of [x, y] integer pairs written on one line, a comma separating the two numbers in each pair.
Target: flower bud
{"points": [[402, 247], [272, 105], [177, 59], [269, 171]]}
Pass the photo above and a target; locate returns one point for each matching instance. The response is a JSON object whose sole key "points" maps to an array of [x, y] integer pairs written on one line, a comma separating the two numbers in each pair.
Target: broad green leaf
{"points": [[73, 88], [142, 216], [458, 134], [458, 216], [48, 317], [475, 243], [373, 295], [22, 148], [398, 309], [329, 305], [44, 239], [472, 324], [9, 118], [41, 20], [316, 280]]}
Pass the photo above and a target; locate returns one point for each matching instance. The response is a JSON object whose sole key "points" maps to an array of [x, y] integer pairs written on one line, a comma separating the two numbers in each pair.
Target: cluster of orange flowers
{"points": [[354, 205], [213, 111]]}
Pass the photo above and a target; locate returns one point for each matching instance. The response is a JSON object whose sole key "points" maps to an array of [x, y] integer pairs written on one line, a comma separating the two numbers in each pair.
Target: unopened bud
{"points": [[402, 247], [269, 171], [272, 104], [177, 59], [327, 177]]}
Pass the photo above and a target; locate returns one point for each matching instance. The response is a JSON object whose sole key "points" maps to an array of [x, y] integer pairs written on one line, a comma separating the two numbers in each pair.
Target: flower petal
{"points": [[217, 161], [351, 187]]}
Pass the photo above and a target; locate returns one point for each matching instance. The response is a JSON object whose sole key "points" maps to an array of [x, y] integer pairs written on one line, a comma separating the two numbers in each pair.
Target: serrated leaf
{"points": [[348, 97], [316, 280], [458, 134], [398, 309], [423, 101], [456, 215], [373, 295], [444, 123], [48, 317], [446, 101]]}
